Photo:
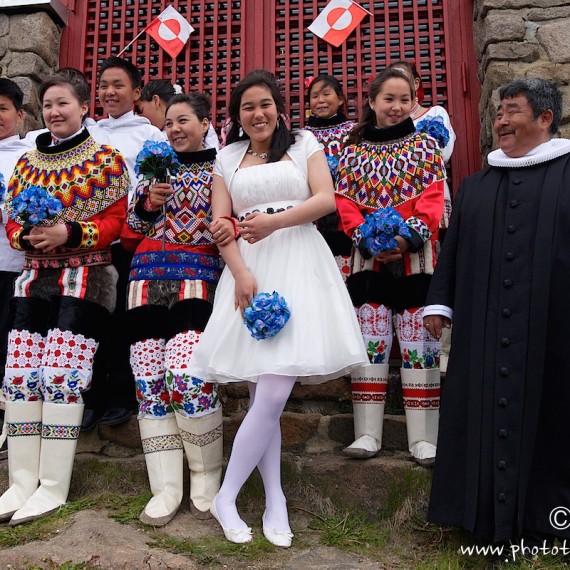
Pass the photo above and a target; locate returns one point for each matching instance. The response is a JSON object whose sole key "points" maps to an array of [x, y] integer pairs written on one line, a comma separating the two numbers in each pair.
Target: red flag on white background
{"points": [[170, 31], [337, 21]]}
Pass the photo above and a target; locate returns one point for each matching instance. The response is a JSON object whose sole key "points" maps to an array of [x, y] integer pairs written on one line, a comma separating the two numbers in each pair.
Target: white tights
{"points": [[258, 444]]}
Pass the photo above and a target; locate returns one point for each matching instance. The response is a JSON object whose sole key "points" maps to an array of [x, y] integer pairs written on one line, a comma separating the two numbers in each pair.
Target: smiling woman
{"points": [[62, 297]]}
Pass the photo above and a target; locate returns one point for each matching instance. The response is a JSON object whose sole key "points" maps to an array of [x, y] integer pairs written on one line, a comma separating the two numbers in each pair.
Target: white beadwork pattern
{"points": [[65, 349], [25, 349], [147, 357], [179, 349]]}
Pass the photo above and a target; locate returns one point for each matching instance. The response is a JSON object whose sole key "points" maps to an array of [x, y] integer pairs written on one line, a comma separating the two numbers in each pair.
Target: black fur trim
{"points": [[382, 288], [82, 317], [339, 243], [189, 315], [148, 321], [76, 234], [30, 314], [415, 241]]}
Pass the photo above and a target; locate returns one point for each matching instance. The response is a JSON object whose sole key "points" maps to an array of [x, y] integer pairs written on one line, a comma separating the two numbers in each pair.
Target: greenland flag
{"points": [[170, 31], [337, 21]]}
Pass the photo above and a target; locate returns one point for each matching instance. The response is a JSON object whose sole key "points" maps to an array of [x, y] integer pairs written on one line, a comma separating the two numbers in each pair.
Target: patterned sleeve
{"points": [[139, 219]]}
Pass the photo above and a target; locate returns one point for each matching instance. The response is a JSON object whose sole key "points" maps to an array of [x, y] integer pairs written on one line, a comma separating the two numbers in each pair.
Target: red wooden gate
{"points": [[234, 37]]}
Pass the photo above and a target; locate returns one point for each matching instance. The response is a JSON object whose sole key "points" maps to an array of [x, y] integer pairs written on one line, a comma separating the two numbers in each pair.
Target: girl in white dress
{"points": [[276, 183]]}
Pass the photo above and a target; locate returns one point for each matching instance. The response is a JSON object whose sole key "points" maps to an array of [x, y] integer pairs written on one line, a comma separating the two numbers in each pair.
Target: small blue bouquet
{"points": [[35, 205], [379, 230], [266, 315], [435, 128], [156, 160], [2, 187]]}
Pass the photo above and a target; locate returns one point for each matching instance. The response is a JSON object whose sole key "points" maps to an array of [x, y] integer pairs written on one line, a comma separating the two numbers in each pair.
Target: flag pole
{"points": [[130, 44], [361, 7]]}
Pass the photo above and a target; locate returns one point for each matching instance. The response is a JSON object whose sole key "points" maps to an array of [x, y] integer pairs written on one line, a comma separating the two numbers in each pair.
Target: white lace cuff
{"points": [[442, 310]]}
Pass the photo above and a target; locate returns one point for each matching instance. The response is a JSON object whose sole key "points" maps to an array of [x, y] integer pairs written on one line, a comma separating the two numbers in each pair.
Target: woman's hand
{"points": [[246, 289], [257, 226], [223, 231], [47, 238], [159, 193], [394, 254]]}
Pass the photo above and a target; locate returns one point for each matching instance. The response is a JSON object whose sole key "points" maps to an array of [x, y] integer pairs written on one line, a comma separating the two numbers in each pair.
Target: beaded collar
{"points": [[319, 123], [394, 133]]}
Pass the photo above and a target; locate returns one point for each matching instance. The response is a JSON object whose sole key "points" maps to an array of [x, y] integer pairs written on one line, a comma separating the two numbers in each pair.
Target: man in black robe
{"points": [[503, 462]]}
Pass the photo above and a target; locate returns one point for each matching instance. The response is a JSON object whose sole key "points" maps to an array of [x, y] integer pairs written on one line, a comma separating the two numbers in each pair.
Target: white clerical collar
{"points": [[544, 152]]}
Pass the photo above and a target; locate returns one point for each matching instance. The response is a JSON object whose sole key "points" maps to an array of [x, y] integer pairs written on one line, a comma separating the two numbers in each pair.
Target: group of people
{"points": [[132, 266]]}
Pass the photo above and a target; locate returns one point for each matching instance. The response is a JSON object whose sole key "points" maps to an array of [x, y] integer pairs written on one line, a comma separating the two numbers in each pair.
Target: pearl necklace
{"points": [[262, 155]]}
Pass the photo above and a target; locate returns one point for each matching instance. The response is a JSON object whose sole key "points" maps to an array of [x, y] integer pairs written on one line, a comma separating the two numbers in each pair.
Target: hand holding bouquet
{"points": [[379, 230], [35, 205], [266, 315]]}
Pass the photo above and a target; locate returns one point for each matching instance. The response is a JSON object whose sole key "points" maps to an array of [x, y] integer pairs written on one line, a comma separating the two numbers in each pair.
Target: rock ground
{"points": [[316, 483]]}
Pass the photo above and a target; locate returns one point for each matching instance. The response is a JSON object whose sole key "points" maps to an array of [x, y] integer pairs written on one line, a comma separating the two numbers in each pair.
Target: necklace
{"points": [[262, 155]]}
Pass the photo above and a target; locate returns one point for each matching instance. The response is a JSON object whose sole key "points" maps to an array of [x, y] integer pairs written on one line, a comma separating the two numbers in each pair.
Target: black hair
{"points": [[78, 87], [328, 81], [71, 73], [368, 115], [541, 95], [10, 89], [408, 65], [161, 87], [282, 138], [133, 73], [200, 103]]}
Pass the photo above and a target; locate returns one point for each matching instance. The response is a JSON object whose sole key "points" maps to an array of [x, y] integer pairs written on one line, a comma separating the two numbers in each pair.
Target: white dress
{"points": [[322, 339]]}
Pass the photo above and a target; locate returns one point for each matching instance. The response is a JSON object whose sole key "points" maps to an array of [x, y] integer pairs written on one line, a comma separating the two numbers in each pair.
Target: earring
{"points": [[278, 123], [240, 132]]}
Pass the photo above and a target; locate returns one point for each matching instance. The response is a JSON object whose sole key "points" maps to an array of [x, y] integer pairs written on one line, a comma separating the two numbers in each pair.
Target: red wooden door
{"points": [[233, 37]]}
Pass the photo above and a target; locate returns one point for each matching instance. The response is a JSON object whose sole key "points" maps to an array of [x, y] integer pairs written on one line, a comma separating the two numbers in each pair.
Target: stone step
{"points": [[301, 432]]}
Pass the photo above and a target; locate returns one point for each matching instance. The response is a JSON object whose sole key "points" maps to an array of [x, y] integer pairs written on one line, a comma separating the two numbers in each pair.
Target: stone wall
{"points": [[521, 39], [29, 53]]}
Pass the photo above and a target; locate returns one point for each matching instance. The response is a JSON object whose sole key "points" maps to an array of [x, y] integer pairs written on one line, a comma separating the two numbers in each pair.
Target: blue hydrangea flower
{"points": [[266, 315], [380, 228], [435, 127], [2, 187], [333, 164], [35, 205], [156, 160]]}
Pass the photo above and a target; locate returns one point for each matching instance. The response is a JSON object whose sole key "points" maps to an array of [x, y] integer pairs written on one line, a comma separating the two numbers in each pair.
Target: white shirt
{"points": [[11, 149], [127, 134]]}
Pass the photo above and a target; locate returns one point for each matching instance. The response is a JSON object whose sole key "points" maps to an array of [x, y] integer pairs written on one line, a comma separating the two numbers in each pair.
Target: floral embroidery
{"points": [[427, 358], [377, 351]]}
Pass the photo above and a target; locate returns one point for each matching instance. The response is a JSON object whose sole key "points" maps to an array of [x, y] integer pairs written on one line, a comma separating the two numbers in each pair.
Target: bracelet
{"points": [[147, 205], [234, 222]]}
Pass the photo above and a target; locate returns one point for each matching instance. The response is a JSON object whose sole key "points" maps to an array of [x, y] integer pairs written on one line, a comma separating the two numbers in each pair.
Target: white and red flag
{"points": [[337, 21], [170, 31]]}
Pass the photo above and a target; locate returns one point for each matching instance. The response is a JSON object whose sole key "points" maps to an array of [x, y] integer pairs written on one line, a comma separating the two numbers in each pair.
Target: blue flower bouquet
{"points": [[266, 315], [379, 230], [2, 187], [35, 205], [435, 127], [156, 160]]}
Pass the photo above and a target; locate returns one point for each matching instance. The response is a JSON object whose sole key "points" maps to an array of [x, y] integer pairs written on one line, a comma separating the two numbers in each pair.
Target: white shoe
{"points": [[364, 447], [280, 538], [238, 536]]}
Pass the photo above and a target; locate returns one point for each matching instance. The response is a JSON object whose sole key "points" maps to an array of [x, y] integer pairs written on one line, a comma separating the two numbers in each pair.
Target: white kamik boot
{"points": [[368, 399]]}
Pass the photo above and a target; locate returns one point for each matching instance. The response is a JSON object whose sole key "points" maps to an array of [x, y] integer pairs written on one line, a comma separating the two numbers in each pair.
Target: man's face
{"points": [[116, 92], [516, 129], [9, 118]]}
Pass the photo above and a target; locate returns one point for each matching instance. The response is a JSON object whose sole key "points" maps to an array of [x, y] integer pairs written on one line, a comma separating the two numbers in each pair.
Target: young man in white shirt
{"points": [[113, 388], [11, 148]]}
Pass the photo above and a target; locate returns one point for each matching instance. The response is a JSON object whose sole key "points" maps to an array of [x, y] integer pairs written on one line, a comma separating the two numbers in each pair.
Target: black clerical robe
{"points": [[503, 458]]}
